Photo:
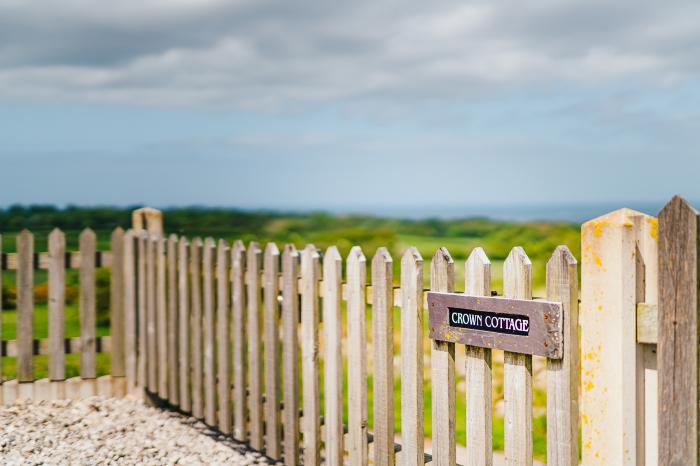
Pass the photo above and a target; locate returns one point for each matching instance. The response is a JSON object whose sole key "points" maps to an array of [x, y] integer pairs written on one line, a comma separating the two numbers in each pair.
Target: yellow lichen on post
{"points": [[618, 271]]}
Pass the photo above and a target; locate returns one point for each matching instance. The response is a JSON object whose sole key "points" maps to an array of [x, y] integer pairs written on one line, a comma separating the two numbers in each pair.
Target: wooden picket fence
{"points": [[261, 344], [231, 334], [55, 261]]}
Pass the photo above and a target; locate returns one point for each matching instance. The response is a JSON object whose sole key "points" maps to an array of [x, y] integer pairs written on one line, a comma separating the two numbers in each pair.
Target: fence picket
{"points": [[57, 314], [563, 374], [152, 350], [290, 340], [517, 369], [679, 225], [311, 422], [254, 347], [412, 423], [88, 321], [383, 336], [271, 348], [478, 370], [238, 335], [130, 326], [196, 300], [443, 370], [171, 259], [223, 340], [25, 306], [142, 251], [357, 358], [332, 325], [162, 324], [208, 332], [185, 366], [116, 318]]}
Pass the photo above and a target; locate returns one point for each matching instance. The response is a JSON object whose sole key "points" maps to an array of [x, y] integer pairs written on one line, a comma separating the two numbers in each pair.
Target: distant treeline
{"points": [[323, 229]]}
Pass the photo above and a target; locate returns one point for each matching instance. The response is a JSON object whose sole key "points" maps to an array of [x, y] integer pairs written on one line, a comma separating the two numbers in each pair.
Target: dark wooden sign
{"points": [[516, 325]]}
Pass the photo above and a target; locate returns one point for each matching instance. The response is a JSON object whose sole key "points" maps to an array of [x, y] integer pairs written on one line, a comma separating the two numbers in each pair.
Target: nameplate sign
{"points": [[516, 325]]}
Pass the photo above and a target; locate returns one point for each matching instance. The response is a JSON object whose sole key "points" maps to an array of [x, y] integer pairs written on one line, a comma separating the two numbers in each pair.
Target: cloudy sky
{"points": [[310, 104]]}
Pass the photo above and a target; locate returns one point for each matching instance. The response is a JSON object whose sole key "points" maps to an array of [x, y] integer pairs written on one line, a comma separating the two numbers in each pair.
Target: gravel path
{"points": [[110, 431]]}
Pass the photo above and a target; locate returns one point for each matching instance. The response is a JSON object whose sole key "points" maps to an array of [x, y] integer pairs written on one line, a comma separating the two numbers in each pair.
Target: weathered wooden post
{"points": [[678, 334], [147, 218], [618, 271]]}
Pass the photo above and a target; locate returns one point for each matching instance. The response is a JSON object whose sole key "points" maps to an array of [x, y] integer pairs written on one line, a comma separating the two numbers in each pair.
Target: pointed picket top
{"points": [[382, 256], [197, 241], [677, 204], [311, 254], [561, 257], [411, 257], [271, 250], [117, 234], [26, 234], [442, 271], [332, 264], [172, 238], [517, 275], [289, 253], [222, 244], [55, 236], [209, 242], [356, 255], [477, 276], [237, 247], [88, 236]]}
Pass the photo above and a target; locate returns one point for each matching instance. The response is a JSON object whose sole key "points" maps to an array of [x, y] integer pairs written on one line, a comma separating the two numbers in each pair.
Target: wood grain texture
{"points": [[142, 309], [25, 306], [563, 374], [517, 368], [116, 319], [196, 309], [383, 345], [88, 316], [223, 336], [333, 358], [311, 422], [290, 341], [162, 324], [271, 260], [255, 380], [151, 316], [130, 311], [57, 299], [477, 282], [183, 309], [1, 310], [239, 335], [443, 371], [357, 358], [172, 334], [679, 337], [412, 423], [208, 334]]}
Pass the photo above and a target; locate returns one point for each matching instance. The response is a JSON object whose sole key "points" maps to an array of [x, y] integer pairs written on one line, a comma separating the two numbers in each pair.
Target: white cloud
{"points": [[271, 54]]}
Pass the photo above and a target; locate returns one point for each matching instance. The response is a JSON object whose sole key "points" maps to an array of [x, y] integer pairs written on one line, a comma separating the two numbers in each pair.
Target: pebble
{"points": [[111, 431]]}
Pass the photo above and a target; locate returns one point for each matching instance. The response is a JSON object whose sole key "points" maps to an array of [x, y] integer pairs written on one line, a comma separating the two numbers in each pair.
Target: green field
{"points": [[459, 236]]}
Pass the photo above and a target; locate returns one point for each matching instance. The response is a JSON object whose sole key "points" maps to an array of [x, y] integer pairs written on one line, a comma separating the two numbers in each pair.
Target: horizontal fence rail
{"points": [[56, 346]]}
